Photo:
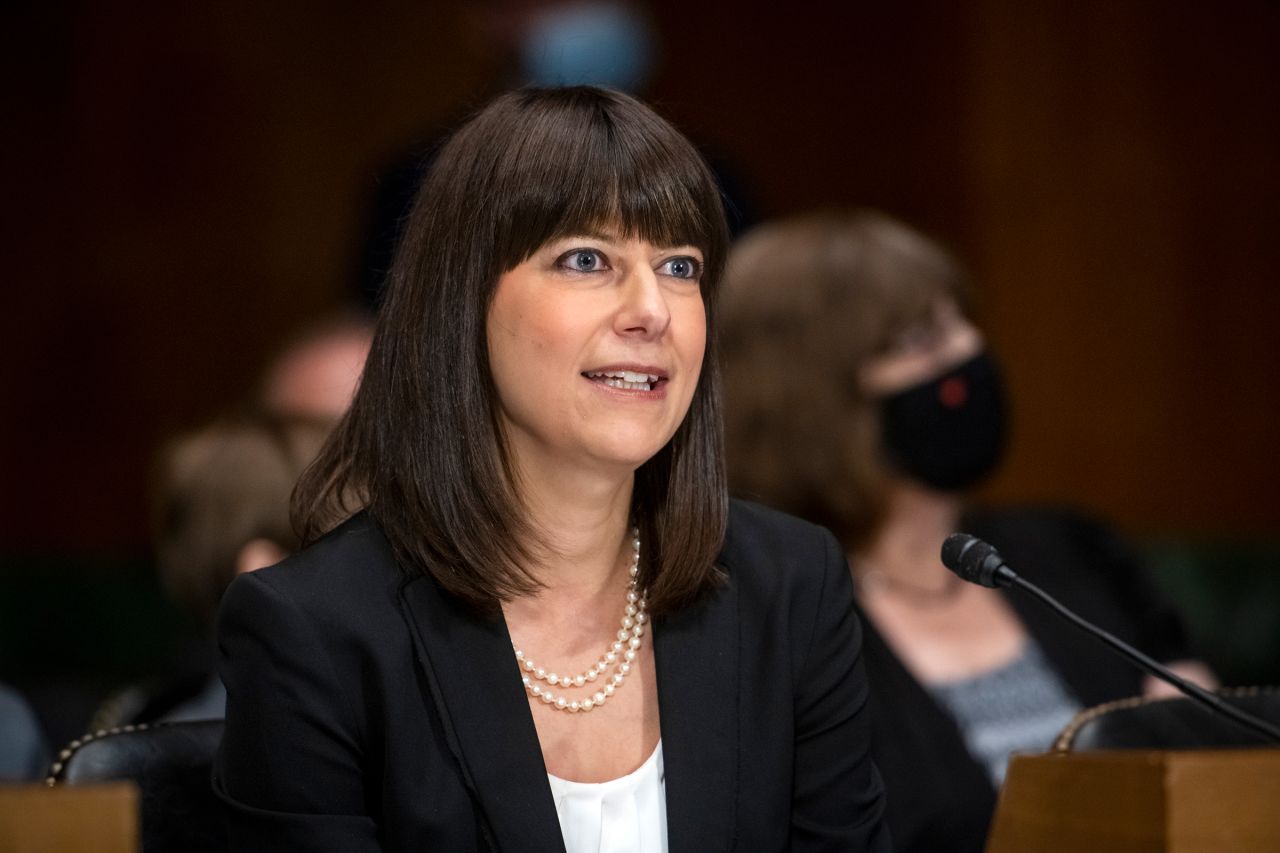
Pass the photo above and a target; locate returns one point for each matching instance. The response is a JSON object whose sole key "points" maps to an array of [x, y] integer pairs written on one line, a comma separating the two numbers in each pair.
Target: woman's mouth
{"points": [[625, 379]]}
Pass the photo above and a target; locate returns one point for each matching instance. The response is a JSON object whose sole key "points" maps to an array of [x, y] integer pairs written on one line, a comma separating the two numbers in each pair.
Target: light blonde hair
{"points": [[218, 489]]}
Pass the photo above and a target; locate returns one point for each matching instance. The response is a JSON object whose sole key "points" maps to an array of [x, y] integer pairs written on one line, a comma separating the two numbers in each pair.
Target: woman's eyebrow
{"points": [[605, 236], [591, 234], [682, 247]]}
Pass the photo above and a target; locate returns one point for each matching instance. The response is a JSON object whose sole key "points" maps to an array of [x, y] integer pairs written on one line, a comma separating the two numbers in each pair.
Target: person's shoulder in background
{"points": [[23, 754], [1090, 566]]}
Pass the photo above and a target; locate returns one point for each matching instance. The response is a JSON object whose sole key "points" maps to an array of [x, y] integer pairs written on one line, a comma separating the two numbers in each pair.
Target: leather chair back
{"points": [[1169, 723], [171, 764]]}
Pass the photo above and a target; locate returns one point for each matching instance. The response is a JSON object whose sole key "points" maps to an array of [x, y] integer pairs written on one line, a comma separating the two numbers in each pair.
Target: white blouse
{"points": [[623, 815]]}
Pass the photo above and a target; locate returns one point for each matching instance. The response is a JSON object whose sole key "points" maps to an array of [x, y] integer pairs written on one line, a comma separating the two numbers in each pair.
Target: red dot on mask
{"points": [[953, 391]]}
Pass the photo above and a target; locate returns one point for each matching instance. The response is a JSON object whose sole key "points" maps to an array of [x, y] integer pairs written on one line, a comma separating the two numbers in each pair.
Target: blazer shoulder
{"points": [[753, 526], [350, 568], [771, 547]]}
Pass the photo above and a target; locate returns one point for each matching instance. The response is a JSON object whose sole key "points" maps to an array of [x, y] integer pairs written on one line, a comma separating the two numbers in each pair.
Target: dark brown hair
{"points": [[218, 489], [806, 302], [421, 447]]}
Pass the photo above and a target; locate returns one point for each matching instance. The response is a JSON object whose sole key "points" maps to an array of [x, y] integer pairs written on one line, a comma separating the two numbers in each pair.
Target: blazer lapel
{"points": [[696, 651], [475, 683]]}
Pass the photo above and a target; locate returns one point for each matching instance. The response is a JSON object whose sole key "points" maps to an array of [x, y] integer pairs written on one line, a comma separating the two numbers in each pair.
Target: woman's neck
{"points": [[584, 522], [907, 545]]}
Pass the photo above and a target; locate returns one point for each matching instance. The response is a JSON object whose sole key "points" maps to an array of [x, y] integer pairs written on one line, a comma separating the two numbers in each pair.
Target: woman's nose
{"points": [[644, 311]]}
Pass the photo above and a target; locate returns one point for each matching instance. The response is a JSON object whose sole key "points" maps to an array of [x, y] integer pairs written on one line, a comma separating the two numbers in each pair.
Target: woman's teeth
{"points": [[625, 379]]}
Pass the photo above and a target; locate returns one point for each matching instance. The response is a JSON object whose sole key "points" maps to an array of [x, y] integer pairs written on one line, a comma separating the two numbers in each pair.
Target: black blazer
{"points": [[369, 710], [939, 797]]}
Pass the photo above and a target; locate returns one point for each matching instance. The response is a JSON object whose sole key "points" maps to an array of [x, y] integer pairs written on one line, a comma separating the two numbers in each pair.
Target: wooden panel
{"points": [[39, 819], [1129, 801], [1095, 802], [1224, 804], [1126, 185]]}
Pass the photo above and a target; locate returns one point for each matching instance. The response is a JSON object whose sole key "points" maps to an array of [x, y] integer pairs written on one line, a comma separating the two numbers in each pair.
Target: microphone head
{"points": [[975, 560]]}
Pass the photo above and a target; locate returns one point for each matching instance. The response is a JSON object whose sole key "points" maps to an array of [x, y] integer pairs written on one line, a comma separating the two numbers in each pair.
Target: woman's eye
{"points": [[682, 267], [582, 260]]}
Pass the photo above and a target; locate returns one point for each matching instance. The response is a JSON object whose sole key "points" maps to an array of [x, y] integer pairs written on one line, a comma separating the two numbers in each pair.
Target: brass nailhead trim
{"points": [[1067, 737], [55, 771]]}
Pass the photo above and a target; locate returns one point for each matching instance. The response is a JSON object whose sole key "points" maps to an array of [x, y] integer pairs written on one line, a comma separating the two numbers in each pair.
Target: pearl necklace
{"points": [[620, 655]]}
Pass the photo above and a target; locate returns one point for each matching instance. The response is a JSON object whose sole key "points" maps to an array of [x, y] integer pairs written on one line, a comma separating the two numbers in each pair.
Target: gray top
{"points": [[23, 757], [1018, 707]]}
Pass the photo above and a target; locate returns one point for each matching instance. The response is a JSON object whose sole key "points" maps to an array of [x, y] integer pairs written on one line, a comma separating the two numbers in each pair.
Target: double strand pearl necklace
{"points": [[619, 656]]}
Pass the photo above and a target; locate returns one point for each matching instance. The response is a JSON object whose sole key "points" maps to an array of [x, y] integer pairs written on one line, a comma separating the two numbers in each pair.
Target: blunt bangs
{"points": [[582, 160]]}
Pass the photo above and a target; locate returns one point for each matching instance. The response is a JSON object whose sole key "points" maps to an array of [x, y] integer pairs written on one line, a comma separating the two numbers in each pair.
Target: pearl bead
{"points": [[630, 655], [587, 704], [623, 634], [617, 646], [637, 631], [525, 681], [628, 622], [618, 677], [642, 618], [575, 706], [553, 679], [547, 697], [579, 680], [540, 673], [536, 690], [609, 689], [519, 655], [593, 674], [624, 669], [561, 703], [611, 657], [634, 643], [631, 610], [632, 597], [598, 698], [528, 665]]}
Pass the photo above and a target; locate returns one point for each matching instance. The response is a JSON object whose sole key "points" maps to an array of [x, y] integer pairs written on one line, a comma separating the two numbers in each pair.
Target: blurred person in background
{"points": [[221, 503], [316, 374], [861, 396], [221, 508]]}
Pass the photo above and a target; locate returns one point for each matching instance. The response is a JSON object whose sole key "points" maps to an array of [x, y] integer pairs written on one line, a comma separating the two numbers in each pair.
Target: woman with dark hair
{"points": [[545, 627], [860, 395]]}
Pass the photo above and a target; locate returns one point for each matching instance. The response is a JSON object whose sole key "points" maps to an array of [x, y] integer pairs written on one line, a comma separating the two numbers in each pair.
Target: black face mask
{"points": [[949, 432]]}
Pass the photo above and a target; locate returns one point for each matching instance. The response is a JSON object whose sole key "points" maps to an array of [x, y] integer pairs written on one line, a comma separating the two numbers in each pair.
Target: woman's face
{"points": [[922, 352], [596, 344]]}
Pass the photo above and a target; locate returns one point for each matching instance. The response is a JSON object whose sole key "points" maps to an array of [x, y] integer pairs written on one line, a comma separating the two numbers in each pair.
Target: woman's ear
{"points": [[258, 554]]}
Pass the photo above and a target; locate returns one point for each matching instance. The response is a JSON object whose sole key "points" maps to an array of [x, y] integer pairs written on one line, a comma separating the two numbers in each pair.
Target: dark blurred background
{"points": [[189, 183]]}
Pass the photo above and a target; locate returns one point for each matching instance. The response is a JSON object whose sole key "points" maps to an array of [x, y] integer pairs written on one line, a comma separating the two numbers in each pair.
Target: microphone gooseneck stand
{"points": [[980, 563]]}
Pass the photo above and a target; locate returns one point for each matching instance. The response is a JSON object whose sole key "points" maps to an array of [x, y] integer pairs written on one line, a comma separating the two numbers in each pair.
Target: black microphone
{"points": [[980, 563]]}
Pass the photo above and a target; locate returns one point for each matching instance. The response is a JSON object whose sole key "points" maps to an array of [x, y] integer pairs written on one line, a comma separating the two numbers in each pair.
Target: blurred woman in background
{"points": [[860, 395], [220, 507]]}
